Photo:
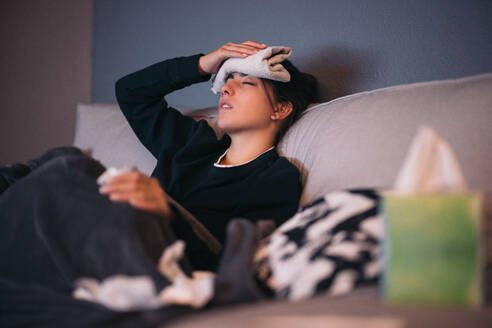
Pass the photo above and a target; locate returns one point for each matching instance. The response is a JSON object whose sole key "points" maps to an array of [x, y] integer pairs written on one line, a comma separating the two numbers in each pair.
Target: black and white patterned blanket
{"points": [[331, 245]]}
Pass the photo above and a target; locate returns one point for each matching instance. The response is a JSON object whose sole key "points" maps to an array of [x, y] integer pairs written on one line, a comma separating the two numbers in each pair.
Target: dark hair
{"points": [[300, 91]]}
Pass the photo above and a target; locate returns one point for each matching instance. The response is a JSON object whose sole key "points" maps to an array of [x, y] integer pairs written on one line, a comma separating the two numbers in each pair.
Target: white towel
{"points": [[265, 63]]}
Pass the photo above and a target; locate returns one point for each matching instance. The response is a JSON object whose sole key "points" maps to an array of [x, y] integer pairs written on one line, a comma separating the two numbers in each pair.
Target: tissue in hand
{"points": [[432, 245], [430, 166], [112, 172]]}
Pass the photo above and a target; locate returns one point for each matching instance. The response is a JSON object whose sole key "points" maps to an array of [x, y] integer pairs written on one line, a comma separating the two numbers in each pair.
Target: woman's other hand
{"points": [[141, 191], [210, 63]]}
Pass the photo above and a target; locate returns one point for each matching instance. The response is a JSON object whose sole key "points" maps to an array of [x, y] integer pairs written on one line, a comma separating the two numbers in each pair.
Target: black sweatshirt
{"points": [[267, 187]]}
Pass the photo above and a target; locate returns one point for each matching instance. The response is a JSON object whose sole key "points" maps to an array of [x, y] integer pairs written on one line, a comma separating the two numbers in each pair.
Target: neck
{"points": [[244, 147]]}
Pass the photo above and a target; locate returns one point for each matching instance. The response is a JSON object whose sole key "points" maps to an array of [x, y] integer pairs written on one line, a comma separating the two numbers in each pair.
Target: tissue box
{"points": [[432, 249]]}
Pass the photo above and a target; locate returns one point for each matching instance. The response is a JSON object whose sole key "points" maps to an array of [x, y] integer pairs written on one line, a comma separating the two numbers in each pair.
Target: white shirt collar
{"points": [[216, 164]]}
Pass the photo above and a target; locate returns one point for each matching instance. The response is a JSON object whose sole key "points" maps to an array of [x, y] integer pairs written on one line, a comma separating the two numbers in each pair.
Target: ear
{"points": [[282, 110]]}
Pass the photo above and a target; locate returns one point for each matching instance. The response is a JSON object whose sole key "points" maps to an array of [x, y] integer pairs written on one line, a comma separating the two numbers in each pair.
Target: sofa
{"points": [[356, 141]]}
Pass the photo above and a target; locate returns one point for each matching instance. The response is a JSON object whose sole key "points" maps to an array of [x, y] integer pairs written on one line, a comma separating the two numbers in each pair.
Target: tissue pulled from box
{"points": [[112, 172], [430, 166]]}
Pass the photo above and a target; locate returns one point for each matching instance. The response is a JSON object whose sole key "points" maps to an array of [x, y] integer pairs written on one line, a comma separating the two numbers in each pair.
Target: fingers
{"points": [[236, 50], [128, 176], [127, 185], [138, 190], [146, 202], [142, 201], [121, 186], [127, 181], [255, 44], [149, 205], [210, 63], [246, 46], [122, 196], [243, 49]]}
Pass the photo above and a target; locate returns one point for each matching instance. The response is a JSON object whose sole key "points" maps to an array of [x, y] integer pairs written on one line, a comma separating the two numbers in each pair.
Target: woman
{"points": [[240, 175]]}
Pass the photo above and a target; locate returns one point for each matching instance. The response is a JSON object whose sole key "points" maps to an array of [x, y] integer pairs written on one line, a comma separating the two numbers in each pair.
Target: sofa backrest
{"points": [[357, 141], [361, 140]]}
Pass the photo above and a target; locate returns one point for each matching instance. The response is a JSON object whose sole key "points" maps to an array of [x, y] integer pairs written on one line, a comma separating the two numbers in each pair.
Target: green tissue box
{"points": [[432, 249]]}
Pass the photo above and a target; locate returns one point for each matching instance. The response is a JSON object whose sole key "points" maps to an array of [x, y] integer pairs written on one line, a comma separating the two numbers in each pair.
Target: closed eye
{"points": [[248, 83], [231, 75]]}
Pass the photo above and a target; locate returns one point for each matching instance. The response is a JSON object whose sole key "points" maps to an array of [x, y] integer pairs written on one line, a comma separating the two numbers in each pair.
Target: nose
{"points": [[227, 88]]}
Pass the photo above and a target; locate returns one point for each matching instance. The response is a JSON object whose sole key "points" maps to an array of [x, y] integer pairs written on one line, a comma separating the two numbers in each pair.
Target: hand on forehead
{"points": [[265, 63]]}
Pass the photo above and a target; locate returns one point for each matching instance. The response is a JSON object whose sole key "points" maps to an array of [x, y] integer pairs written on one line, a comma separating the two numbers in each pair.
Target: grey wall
{"points": [[350, 46], [48, 57], [45, 67]]}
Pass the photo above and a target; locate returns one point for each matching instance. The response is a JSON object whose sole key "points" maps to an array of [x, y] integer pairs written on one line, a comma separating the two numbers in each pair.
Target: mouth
{"points": [[224, 105]]}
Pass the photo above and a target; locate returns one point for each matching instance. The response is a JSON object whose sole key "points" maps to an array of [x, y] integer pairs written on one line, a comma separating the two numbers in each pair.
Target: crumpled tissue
{"points": [[127, 293], [195, 291]]}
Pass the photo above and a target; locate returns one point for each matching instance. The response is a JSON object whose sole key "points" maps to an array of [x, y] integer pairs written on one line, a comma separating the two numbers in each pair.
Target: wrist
{"points": [[169, 213], [200, 67]]}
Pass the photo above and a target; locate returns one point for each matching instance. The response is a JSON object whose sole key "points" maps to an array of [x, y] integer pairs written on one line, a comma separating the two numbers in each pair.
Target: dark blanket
{"points": [[56, 227]]}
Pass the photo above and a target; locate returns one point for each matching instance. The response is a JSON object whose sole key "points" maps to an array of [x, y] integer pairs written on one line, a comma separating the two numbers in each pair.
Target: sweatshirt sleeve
{"points": [[140, 96]]}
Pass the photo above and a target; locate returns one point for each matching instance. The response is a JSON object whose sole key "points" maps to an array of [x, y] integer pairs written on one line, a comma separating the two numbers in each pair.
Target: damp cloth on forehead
{"points": [[266, 63]]}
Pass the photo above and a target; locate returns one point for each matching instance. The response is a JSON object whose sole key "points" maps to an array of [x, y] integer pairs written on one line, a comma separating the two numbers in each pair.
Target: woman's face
{"points": [[244, 104]]}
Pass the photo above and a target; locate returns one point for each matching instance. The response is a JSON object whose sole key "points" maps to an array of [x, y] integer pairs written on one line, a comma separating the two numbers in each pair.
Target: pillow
{"points": [[104, 130], [362, 139], [331, 245]]}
